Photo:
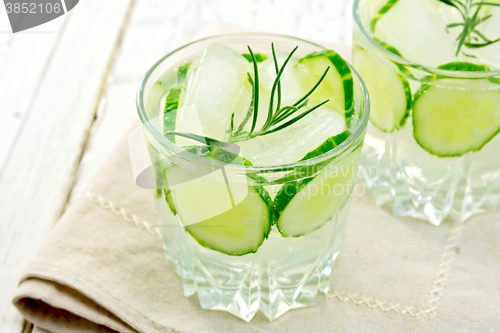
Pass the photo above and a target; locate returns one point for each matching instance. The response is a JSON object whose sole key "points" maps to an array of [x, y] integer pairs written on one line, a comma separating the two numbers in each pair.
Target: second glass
{"points": [[432, 146]]}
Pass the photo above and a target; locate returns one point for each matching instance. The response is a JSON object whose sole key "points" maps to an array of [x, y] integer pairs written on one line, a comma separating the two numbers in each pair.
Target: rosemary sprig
{"points": [[255, 90], [192, 136], [470, 37], [276, 83], [290, 122], [278, 116], [276, 67]]}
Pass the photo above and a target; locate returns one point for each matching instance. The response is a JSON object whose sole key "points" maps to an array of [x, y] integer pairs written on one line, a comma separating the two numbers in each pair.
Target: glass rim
{"points": [[361, 126], [393, 57]]}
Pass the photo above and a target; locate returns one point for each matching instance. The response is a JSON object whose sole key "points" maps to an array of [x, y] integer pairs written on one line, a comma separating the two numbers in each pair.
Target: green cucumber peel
{"points": [[328, 145], [345, 73], [467, 67], [294, 186], [385, 8], [284, 196], [172, 100], [464, 67], [258, 56]]}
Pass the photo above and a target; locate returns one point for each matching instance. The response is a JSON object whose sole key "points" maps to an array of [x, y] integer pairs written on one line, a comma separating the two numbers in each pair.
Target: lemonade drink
{"points": [[256, 149], [432, 70]]}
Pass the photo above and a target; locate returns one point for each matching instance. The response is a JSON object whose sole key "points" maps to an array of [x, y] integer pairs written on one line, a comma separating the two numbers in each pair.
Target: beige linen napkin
{"points": [[102, 270]]}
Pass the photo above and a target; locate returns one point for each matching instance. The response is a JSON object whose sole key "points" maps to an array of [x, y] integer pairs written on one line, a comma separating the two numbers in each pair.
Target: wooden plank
{"points": [[24, 58], [38, 175], [23, 62]]}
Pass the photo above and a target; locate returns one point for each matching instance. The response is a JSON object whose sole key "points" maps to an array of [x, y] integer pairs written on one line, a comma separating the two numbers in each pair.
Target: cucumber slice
{"points": [[235, 229], [337, 86], [453, 116], [168, 194], [221, 213], [238, 231], [303, 206], [390, 94]]}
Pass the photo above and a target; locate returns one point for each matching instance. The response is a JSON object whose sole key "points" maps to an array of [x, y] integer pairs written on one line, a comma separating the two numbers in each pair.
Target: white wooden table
{"points": [[67, 90]]}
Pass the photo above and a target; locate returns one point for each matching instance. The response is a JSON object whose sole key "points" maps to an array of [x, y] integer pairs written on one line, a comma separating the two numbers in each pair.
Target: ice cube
{"points": [[417, 30], [188, 121], [291, 144], [218, 87]]}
